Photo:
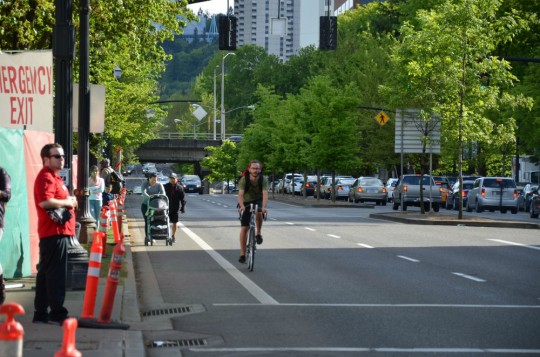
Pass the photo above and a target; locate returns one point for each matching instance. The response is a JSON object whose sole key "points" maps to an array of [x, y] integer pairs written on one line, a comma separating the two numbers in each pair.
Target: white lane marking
{"points": [[249, 285], [366, 349], [514, 243], [334, 236], [364, 245], [470, 277], [444, 306], [310, 229], [409, 259], [290, 223]]}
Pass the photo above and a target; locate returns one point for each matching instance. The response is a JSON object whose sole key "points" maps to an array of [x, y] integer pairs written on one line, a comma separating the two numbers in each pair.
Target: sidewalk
{"points": [[45, 340]]}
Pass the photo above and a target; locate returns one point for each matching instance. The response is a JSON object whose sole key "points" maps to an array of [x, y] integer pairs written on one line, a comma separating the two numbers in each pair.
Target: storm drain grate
{"points": [[168, 311], [177, 343]]}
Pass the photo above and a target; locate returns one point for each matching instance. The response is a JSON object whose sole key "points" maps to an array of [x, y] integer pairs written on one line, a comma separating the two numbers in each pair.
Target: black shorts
{"points": [[244, 221], [173, 217]]}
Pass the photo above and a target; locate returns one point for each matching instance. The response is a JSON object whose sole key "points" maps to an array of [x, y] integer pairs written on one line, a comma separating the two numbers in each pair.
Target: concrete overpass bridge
{"points": [[180, 148]]}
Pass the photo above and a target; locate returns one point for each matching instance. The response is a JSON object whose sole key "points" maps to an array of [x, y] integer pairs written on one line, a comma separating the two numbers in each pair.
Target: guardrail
{"points": [[191, 135]]}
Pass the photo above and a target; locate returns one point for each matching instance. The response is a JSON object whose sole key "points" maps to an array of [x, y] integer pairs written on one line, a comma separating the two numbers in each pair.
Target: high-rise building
{"points": [[281, 27]]}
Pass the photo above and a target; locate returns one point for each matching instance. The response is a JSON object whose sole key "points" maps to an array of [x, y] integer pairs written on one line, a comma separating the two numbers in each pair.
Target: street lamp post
{"points": [[216, 67], [83, 213], [223, 94]]}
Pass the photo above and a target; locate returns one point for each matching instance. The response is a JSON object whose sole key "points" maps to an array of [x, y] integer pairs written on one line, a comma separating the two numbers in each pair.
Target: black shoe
{"points": [[173, 239], [259, 239], [242, 259]]}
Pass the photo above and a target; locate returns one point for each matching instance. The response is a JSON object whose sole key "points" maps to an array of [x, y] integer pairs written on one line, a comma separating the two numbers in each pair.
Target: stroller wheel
{"points": [[151, 242], [166, 242], [146, 241]]}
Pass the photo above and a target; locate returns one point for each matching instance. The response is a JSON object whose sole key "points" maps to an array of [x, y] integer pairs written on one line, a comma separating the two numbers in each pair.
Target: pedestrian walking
{"points": [[5, 196], [175, 193], [56, 226], [96, 186], [149, 188]]}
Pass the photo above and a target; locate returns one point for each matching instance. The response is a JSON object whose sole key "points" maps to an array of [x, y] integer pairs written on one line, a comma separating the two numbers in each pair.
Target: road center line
{"points": [[364, 245], [470, 277], [309, 229], [514, 243], [334, 236], [409, 259], [249, 285]]}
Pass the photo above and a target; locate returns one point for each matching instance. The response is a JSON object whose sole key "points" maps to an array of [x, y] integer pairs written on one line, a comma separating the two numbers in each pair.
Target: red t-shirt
{"points": [[49, 185]]}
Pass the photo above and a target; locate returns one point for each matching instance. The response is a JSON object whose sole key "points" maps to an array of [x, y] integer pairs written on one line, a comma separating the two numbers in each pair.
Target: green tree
{"points": [[441, 65], [222, 162], [127, 34]]}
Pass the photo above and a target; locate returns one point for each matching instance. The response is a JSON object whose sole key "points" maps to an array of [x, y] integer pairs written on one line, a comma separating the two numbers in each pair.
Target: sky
{"points": [[213, 6]]}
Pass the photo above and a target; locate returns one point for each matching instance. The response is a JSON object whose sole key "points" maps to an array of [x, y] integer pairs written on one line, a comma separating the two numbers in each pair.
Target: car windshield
{"points": [[345, 181], [498, 183], [370, 182], [415, 180]]}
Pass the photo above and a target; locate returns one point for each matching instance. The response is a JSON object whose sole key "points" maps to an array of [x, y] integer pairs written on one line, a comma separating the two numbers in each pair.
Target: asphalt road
{"points": [[333, 282]]}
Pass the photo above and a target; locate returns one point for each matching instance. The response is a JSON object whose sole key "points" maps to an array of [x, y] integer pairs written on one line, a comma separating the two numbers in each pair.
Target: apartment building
{"points": [[281, 27]]}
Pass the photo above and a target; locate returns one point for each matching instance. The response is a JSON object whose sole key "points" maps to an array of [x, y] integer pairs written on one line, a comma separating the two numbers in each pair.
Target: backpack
{"points": [[117, 182]]}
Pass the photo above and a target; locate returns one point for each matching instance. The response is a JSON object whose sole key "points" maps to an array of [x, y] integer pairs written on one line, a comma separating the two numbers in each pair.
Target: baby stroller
{"points": [[158, 220]]}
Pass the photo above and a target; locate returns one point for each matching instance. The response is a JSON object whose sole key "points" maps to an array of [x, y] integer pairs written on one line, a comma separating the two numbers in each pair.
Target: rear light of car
{"points": [[464, 194], [360, 189], [384, 190], [405, 188], [340, 188], [483, 193], [440, 189], [515, 193]]}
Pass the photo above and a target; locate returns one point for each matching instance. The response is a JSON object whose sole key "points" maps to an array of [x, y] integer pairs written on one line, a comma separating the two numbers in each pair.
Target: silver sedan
{"points": [[368, 189]]}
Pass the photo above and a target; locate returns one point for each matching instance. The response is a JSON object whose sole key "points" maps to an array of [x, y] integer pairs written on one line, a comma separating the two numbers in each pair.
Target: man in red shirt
{"points": [[51, 193]]}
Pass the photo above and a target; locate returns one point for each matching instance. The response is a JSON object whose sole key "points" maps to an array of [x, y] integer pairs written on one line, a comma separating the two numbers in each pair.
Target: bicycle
{"points": [[251, 242]]}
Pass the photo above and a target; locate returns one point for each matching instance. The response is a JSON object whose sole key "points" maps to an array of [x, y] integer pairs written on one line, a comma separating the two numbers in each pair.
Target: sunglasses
{"points": [[57, 156]]}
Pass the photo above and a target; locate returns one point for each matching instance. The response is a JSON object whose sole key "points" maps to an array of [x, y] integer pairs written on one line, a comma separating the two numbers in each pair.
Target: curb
{"points": [[461, 223]]}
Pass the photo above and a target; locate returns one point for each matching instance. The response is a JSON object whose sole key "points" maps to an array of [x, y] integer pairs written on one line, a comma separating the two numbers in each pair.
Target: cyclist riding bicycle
{"points": [[252, 188]]}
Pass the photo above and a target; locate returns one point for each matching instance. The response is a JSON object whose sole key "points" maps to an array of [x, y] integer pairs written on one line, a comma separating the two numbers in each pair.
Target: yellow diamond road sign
{"points": [[382, 118]]}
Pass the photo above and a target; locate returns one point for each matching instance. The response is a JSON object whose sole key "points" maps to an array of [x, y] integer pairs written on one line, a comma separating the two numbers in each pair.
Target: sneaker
{"points": [[259, 239], [173, 239], [242, 259]]}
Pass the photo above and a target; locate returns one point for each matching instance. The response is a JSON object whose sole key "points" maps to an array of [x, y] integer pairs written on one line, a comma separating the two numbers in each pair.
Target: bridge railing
{"points": [[191, 135]]}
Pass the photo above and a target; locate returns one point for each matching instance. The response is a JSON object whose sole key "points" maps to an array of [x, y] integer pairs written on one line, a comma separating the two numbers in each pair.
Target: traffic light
{"points": [[227, 33], [328, 33]]}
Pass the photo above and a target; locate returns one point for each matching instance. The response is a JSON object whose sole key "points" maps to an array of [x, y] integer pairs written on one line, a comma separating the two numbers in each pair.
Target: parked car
{"points": [[493, 193], [192, 184], [452, 201], [342, 186], [368, 189], [129, 170], [535, 205], [408, 191], [162, 179], [293, 186], [390, 186], [287, 181], [528, 192], [443, 182], [326, 185], [309, 186]]}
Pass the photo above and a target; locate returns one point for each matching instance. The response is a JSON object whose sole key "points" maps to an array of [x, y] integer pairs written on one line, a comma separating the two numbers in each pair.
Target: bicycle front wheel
{"points": [[250, 249]]}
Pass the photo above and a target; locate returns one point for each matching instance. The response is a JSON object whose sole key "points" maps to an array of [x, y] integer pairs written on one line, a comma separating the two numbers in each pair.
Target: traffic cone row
{"points": [[94, 267], [92, 278]]}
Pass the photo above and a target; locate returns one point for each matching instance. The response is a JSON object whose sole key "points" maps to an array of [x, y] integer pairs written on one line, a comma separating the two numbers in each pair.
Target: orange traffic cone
{"points": [[68, 348], [11, 331]]}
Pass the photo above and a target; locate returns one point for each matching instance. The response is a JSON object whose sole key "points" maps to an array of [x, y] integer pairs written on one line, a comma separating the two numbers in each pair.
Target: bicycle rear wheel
{"points": [[250, 249]]}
